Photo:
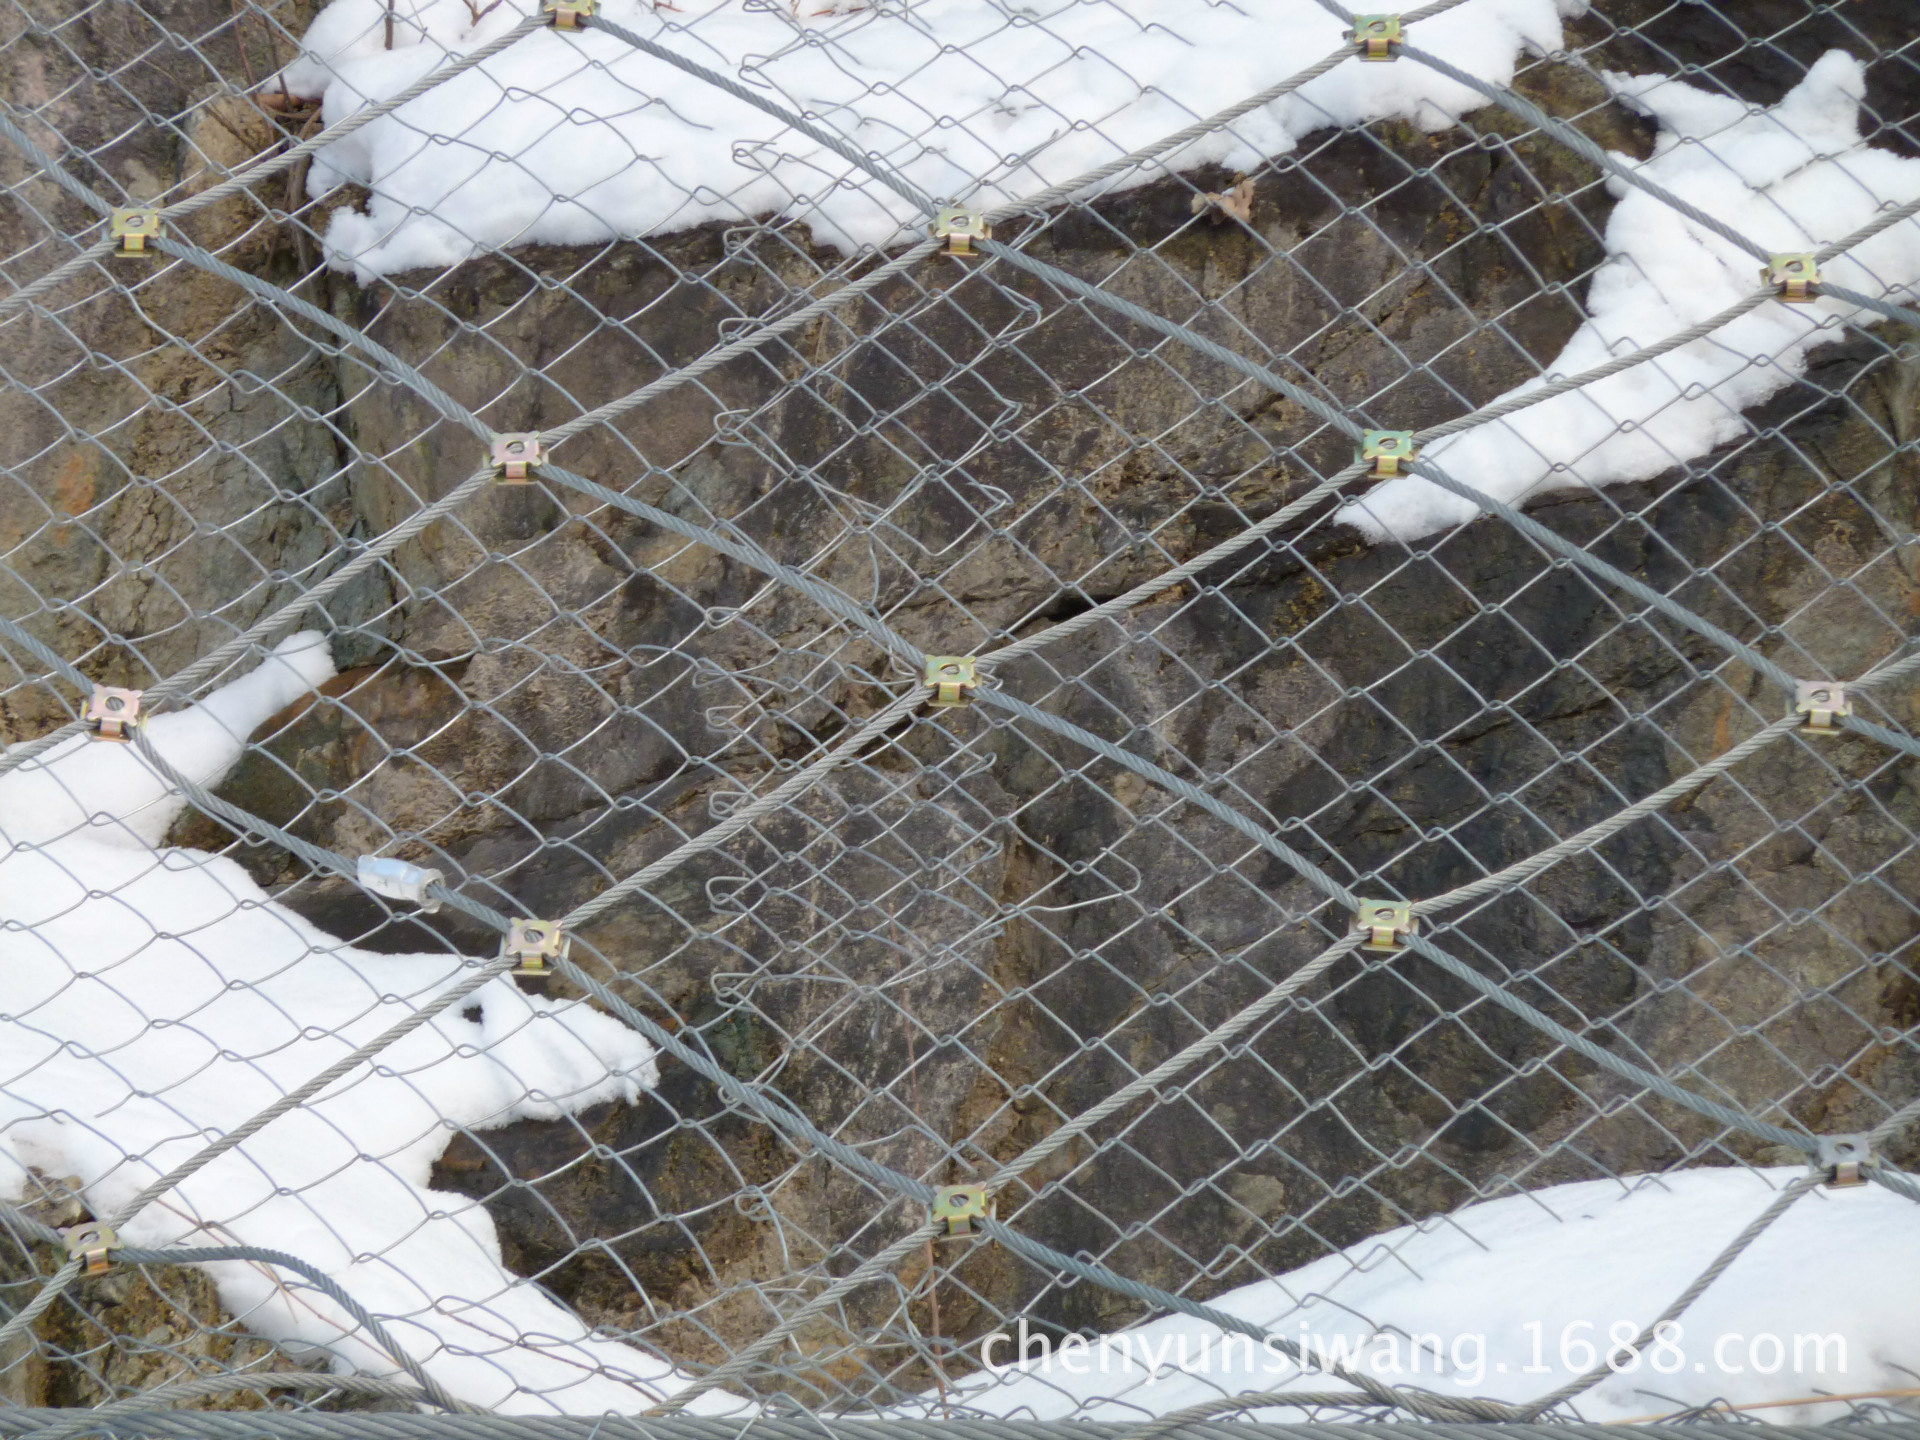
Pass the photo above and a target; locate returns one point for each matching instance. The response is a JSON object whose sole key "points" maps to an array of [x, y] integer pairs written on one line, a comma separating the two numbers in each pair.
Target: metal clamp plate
{"points": [[567, 14], [113, 713], [133, 228], [534, 943], [1376, 35], [1840, 1158], [91, 1243], [960, 1206], [1792, 275], [949, 677], [1823, 702], [1388, 450], [960, 228], [1384, 922], [513, 455]]}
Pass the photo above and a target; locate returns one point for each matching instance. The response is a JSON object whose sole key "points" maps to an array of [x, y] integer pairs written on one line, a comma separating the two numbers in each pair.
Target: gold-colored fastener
{"points": [[515, 454], [1792, 275], [534, 943], [1841, 1158], [91, 1243], [113, 713], [960, 228], [1384, 922], [950, 677], [1388, 450], [960, 1206], [133, 228], [1822, 701], [567, 14], [1376, 35]]}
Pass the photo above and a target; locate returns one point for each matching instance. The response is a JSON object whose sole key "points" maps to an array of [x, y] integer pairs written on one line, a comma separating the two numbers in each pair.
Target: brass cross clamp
{"points": [[1840, 1158], [1385, 923], [1375, 35], [133, 228], [91, 1243], [960, 228], [534, 943], [1388, 450], [515, 454], [960, 1206], [1822, 702], [950, 677], [1792, 276], [113, 713]]}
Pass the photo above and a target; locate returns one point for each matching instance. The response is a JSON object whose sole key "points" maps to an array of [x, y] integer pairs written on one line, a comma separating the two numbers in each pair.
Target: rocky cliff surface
{"points": [[946, 950]]}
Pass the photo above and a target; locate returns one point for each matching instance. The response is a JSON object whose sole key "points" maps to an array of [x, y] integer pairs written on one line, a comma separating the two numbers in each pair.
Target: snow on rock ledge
{"points": [[1792, 177], [1519, 1295], [157, 998], [576, 138]]}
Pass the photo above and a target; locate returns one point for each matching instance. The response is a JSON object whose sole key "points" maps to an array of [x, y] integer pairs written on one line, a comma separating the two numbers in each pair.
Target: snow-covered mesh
{"points": [[1007, 640]]}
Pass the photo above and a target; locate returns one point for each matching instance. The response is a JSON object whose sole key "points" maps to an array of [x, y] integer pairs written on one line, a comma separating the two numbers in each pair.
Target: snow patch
{"points": [[1511, 1298], [157, 998], [1793, 177], [576, 138]]}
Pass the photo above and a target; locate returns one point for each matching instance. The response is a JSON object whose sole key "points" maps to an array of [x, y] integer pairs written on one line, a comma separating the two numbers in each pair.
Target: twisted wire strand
{"points": [[1032, 1249], [266, 168]]}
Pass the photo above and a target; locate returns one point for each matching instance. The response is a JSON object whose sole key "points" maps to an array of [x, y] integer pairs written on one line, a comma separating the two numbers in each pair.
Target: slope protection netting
{"points": [[1103, 755]]}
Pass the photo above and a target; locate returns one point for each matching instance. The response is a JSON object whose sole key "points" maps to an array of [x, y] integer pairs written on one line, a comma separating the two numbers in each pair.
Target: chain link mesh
{"points": [[1086, 936]]}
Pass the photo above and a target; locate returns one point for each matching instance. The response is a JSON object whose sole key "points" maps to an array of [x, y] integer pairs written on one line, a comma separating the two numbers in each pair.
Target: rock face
{"points": [[944, 951]]}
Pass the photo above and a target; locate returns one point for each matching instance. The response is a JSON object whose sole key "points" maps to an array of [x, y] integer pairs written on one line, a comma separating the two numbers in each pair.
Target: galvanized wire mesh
{"points": [[1087, 936]]}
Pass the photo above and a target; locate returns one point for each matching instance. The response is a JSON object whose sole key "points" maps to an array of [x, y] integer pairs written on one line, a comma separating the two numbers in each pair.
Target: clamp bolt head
{"points": [[950, 677], [1822, 702], [113, 713], [91, 1242], [1388, 450], [960, 228], [515, 454], [133, 228], [533, 943], [960, 1206], [1375, 35], [1793, 276], [1385, 923]]}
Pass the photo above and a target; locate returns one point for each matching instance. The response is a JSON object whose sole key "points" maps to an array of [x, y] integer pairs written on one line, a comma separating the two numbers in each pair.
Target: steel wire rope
{"points": [[742, 549], [367, 554], [1224, 1034], [327, 860], [1153, 586], [832, 599], [26, 1226], [738, 1364], [1484, 414], [1733, 1250], [799, 1128], [857, 1162], [777, 1111], [266, 168], [1140, 315], [749, 97], [391, 1425], [771, 1107], [1067, 189], [1531, 1410], [1340, 894]]}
